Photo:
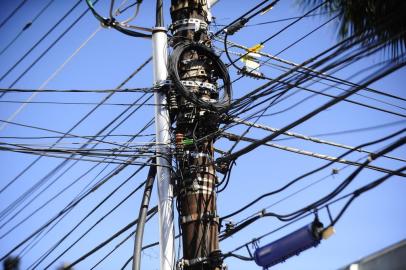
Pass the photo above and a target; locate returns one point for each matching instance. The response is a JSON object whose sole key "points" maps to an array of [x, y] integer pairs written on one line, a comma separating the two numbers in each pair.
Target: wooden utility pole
{"points": [[194, 71]]}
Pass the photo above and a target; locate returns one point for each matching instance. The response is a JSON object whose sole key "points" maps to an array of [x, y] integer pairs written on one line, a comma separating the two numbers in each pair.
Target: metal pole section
{"points": [[162, 124]]}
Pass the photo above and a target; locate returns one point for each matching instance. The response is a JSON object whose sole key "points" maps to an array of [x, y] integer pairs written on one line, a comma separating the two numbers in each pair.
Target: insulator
{"points": [[289, 245]]}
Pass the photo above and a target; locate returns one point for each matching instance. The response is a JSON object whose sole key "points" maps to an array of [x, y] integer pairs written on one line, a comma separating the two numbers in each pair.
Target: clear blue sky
{"points": [[373, 222]]}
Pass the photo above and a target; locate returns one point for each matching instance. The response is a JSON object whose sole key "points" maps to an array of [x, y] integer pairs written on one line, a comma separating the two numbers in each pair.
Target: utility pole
{"points": [[195, 108], [162, 125]]}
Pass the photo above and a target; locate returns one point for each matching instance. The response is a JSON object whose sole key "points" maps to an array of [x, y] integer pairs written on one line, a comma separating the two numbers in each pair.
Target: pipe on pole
{"points": [[162, 124]]}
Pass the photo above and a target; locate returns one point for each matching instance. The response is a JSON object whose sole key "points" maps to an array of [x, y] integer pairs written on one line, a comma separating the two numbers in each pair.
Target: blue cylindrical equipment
{"points": [[288, 246]]}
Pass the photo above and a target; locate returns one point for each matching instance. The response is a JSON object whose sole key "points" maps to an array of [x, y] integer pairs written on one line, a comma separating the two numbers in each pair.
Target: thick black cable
{"points": [[101, 91], [174, 61], [242, 16], [101, 245], [142, 214], [362, 190], [59, 242]]}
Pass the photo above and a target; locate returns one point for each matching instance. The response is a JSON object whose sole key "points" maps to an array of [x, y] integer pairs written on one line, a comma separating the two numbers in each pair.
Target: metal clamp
{"points": [[208, 217], [211, 87], [188, 24], [160, 84]]}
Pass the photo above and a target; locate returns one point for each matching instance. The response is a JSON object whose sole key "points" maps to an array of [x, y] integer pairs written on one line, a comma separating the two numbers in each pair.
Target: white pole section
{"points": [[162, 124]]}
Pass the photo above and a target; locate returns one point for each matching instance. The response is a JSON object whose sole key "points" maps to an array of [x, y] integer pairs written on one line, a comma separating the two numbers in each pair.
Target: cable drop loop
{"points": [[215, 102]]}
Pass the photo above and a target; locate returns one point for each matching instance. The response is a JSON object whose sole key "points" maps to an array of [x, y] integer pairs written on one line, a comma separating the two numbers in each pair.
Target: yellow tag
{"points": [[256, 48]]}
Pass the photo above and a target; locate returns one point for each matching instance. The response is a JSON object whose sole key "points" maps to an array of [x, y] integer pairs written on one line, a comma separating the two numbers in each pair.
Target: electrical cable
{"points": [[3, 22], [40, 41], [234, 137], [101, 245], [111, 22], [310, 173], [323, 200], [142, 214], [101, 91], [26, 27], [332, 102], [66, 31], [79, 122], [59, 242], [174, 61], [317, 73], [309, 138]]}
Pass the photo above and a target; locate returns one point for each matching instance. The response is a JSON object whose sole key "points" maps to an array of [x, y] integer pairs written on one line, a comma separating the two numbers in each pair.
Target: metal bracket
{"points": [[160, 84], [211, 87], [188, 24], [208, 217]]}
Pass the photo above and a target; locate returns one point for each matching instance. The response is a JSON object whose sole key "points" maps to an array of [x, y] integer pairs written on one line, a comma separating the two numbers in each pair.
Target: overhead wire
{"points": [[107, 197], [26, 27], [39, 42], [290, 183], [234, 137], [310, 138], [295, 214], [80, 121], [382, 73], [12, 13]]}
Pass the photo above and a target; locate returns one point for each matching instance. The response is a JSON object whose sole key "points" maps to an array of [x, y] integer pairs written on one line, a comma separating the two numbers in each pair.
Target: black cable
{"points": [[40, 40], [242, 16], [101, 91], [26, 27], [142, 215], [121, 243], [234, 137], [111, 22], [323, 200], [283, 29], [59, 242], [362, 190], [79, 122], [174, 61], [66, 31], [101, 245], [252, 146], [310, 173], [12, 13], [159, 16], [338, 48], [71, 103]]}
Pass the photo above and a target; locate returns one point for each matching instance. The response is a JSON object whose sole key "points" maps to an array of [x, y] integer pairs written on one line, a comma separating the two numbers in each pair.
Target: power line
{"points": [[290, 183], [310, 138], [12, 13], [26, 27], [39, 41], [83, 119], [96, 91], [311, 114]]}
